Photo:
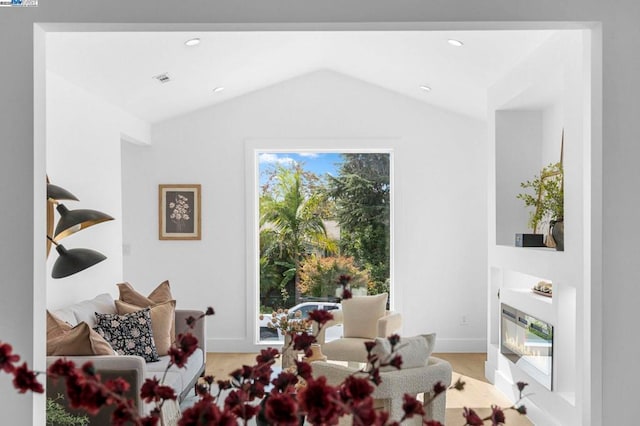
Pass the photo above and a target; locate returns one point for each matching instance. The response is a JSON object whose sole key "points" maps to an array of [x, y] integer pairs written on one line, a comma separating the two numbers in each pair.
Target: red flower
{"points": [[396, 361], [302, 342], [284, 381], [432, 423], [206, 412], [497, 416], [267, 355], [356, 388], [118, 385], [369, 345], [152, 390], [412, 407], [237, 403], [25, 379], [123, 414], [86, 394], [522, 410], [321, 316], [438, 388], [178, 357], [346, 294], [7, 358], [394, 339], [363, 412], [472, 417], [188, 343], [318, 400], [281, 409], [62, 368], [304, 369]]}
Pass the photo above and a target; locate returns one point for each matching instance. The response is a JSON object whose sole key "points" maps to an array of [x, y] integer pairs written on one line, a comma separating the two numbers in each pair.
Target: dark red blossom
{"points": [[150, 420], [206, 412], [346, 294], [344, 279], [522, 385], [363, 412], [152, 390], [356, 389], [472, 417], [7, 359], [25, 380], [118, 385], [318, 399], [369, 345], [396, 361], [178, 356], [62, 368], [123, 414], [237, 403], [302, 342], [432, 423], [281, 409], [210, 311], [89, 369], [394, 339], [459, 384], [411, 406], [267, 355], [438, 388], [284, 381], [497, 416], [191, 321], [86, 393], [522, 410], [188, 343], [321, 316], [304, 369]]}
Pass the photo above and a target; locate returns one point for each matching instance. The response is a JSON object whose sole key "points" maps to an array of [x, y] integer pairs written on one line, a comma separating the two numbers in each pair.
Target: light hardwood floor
{"points": [[478, 393]]}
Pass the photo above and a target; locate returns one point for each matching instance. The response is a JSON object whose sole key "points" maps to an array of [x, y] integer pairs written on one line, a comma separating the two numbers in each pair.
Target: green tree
{"points": [[361, 193], [292, 212]]}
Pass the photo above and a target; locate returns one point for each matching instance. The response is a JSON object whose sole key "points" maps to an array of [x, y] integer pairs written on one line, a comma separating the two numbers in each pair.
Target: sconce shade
{"points": [[58, 193], [74, 260], [74, 220]]}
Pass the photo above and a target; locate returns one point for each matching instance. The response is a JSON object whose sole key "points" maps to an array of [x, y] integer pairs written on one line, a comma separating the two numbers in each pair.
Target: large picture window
{"points": [[322, 215]]}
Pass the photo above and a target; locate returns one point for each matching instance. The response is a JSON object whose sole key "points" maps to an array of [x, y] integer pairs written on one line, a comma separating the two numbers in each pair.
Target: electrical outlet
{"points": [[464, 320]]}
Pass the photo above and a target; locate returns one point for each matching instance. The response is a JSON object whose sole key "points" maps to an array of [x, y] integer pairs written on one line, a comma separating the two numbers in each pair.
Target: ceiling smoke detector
{"points": [[163, 78]]}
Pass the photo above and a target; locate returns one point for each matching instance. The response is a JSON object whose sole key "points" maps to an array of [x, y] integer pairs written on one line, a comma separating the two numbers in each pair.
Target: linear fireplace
{"points": [[528, 343]]}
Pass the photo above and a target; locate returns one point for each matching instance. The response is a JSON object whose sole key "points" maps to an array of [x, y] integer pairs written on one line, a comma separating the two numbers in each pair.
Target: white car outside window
{"points": [[331, 333]]}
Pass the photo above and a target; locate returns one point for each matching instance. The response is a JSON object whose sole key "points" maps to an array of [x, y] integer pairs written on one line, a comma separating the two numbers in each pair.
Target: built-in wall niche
{"points": [[525, 145]]}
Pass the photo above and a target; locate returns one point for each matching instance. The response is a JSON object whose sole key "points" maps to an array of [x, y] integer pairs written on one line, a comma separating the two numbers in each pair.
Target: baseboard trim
{"points": [[461, 345]]}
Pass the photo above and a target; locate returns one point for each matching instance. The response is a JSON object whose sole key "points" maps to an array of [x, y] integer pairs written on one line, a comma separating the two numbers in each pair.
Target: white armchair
{"points": [[364, 318], [418, 375]]}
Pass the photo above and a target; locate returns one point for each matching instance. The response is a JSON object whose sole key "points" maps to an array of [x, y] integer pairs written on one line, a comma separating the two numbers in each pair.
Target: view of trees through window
{"points": [[322, 215]]}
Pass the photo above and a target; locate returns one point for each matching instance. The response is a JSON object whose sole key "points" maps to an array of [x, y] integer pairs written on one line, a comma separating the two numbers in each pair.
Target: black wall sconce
{"points": [[70, 261]]}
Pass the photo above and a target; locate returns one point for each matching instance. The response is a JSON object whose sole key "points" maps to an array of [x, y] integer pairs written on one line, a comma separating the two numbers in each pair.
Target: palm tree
{"points": [[291, 221]]}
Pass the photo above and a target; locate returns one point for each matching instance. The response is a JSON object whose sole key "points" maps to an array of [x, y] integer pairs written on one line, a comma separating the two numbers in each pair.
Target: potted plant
{"points": [[546, 194]]}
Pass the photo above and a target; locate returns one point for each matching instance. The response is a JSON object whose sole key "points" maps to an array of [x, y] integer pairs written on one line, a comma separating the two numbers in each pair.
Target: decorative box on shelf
{"points": [[530, 240]]}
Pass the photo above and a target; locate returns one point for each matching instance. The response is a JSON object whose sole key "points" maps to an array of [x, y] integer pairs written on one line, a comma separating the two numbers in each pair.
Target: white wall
{"points": [[439, 178], [83, 156], [514, 270]]}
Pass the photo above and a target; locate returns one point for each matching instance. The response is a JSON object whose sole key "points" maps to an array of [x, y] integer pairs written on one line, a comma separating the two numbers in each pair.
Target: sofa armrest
{"points": [[389, 324], [199, 329], [132, 368]]}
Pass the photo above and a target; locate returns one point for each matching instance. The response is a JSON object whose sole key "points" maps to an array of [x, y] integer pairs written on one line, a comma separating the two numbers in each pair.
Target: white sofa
{"points": [[132, 368]]}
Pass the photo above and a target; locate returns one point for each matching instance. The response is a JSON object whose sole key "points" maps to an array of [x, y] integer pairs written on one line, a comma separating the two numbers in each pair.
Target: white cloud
{"points": [[267, 158], [309, 154]]}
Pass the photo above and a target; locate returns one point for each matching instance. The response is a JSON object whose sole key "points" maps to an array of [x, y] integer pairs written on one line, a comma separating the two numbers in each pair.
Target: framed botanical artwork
{"points": [[179, 212]]}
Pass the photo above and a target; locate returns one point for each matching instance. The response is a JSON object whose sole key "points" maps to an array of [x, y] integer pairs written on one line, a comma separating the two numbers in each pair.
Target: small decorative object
{"points": [[179, 212], [548, 201], [289, 325], [316, 354], [543, 288]]}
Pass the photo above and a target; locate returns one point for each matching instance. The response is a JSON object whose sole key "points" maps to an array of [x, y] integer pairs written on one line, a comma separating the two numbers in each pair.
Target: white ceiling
{"points": [[119, 66]]}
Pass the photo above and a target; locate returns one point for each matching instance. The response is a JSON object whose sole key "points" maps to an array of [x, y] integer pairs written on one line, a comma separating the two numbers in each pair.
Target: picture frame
{"points": [[179, 212]]}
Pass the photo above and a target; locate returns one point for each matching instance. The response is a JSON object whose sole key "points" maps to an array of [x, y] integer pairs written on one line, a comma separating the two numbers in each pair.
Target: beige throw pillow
{"points": [[80, 340], [361, 315], [162, 319], [161, 294], [56, 327]]}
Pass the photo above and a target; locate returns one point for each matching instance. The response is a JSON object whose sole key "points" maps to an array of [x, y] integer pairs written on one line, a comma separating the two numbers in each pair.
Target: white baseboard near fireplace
{"points": [[461, 345]]}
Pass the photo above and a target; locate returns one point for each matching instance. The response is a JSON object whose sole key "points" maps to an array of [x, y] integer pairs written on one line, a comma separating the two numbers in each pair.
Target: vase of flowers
{"points": [[289, 325]]}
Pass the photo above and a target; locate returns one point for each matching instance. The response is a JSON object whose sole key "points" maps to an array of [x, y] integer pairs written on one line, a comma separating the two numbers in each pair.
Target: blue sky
{"points": [[316, 162]]}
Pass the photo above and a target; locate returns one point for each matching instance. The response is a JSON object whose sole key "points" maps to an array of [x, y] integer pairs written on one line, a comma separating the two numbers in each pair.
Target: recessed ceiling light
{"points": [[425, 88], [192, 42], [454, 42], [163, 78], [218, 89]]}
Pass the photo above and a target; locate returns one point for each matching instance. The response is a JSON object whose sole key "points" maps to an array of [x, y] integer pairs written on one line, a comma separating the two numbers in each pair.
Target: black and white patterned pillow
{"points": [[129, 334]]}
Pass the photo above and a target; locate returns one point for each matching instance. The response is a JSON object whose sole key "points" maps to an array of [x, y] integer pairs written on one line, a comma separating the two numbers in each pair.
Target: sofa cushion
{"points": [[79, 340], [84, 311], [179, 378], [415, 351], [129, 334], [161, 294], [55, 326], [162, 319], [361, 315]]}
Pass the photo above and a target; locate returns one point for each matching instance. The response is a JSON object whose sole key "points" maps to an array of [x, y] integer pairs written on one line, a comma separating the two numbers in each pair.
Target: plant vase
{"points": [[289, 355], [557, 230]]}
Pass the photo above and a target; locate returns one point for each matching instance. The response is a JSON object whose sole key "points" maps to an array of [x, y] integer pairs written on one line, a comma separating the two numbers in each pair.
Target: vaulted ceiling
{"points": [[120, 66]]}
